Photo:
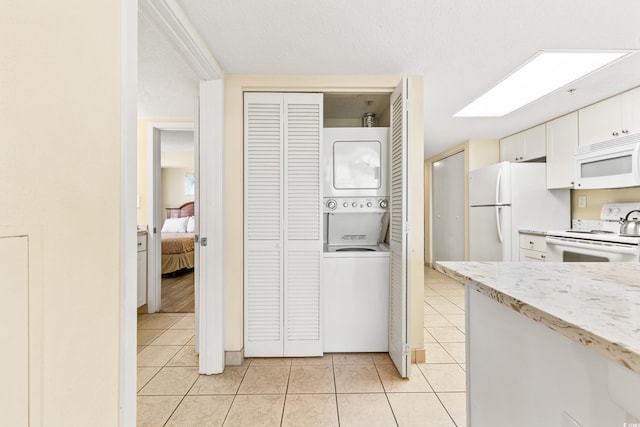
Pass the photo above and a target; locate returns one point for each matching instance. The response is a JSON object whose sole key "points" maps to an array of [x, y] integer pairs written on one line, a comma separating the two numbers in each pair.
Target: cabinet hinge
{"points": [[203, 241], [197, 238], [407, 228]]}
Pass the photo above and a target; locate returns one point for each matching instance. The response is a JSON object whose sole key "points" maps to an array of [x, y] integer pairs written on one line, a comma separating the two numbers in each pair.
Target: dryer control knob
{"points": [[332, 204], [354, 204], [384, 203], [345, 204], [369, 204]]}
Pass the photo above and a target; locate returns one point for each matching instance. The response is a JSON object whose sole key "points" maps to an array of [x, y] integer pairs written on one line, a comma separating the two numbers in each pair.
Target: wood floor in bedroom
{"points": [[178, 294]]}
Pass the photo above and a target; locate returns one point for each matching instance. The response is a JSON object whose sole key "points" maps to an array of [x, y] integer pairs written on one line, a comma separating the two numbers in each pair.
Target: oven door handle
{"points": [[593, 245]]}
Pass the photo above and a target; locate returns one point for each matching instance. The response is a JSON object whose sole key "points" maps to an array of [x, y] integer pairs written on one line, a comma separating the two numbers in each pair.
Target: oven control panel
{"points": [[356, 204], [617, 211]]}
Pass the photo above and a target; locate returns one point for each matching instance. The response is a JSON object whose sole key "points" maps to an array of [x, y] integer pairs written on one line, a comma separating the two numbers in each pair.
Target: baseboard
{"points": [[233, 358], [236, 358], [418, 355]]}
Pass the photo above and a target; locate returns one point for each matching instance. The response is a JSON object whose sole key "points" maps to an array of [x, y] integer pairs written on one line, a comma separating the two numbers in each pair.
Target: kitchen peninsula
{"points": [[553, 344]]}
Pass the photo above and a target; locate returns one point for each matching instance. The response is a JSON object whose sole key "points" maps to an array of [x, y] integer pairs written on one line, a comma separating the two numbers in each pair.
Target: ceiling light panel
{"points": [[546, 72]]}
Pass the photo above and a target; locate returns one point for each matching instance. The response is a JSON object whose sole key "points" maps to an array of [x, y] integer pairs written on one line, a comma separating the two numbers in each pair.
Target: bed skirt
{"points": [[175, 262]]}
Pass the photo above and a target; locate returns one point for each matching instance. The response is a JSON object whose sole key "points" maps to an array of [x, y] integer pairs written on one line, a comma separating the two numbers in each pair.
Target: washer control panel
{"points": [[356, 204]]}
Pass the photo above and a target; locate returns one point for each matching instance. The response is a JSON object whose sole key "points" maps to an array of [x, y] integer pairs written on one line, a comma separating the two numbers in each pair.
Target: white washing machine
{"points": [[356, 280]]}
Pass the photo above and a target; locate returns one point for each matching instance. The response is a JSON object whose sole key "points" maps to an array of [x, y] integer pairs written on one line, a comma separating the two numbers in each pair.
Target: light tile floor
{"points": [[334, 390]]}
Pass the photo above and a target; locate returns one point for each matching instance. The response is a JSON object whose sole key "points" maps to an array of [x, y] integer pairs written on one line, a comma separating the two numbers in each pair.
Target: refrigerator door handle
{"points": [[498, 227], [498, 180]]}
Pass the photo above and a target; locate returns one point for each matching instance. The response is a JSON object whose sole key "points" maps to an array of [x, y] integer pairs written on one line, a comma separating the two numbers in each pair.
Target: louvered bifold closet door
{"points": [[263, 225], [398, 318], [303, 224]]}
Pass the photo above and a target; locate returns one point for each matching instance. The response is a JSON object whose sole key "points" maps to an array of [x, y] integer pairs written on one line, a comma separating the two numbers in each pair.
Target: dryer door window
{"points": [[356, 165]]}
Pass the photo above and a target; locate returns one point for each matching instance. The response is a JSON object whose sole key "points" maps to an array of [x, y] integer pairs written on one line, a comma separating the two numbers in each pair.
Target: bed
{"points": [[178, 240]]}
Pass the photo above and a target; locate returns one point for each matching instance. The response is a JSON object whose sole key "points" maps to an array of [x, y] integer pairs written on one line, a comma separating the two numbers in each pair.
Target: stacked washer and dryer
{"points": [[356, 253]]}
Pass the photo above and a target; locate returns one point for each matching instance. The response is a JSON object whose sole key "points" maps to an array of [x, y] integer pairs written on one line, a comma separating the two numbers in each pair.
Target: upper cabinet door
{"points": [[398, 296], [535, 143], [630, 106], [523, 146], [562, 141], [512, 148], [599, 122], [610, 119]]}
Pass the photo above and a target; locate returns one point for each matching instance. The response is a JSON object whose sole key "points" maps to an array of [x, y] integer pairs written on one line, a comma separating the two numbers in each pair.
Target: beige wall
{"points": [[173, 188], [60, 175], [477, 153], [234, 161], [177, 159], [596, 198]]}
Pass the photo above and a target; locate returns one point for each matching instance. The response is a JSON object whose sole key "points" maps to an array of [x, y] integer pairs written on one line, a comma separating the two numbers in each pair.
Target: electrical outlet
{"points": [[582, 201]]}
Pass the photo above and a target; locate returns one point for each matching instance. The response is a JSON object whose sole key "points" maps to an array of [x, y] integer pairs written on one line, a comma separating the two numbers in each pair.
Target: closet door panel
{"points": [[399, 348], [303, 224], [303, 332], [263, 254]]}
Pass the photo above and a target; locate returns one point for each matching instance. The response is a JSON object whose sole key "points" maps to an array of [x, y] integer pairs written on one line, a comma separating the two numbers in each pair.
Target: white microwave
{"points": [[609, 164]]}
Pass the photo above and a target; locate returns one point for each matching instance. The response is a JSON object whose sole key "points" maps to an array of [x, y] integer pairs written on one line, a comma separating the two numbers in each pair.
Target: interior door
{"points": [[154, 236], [448, 208], [210, 256], [399, 346]]}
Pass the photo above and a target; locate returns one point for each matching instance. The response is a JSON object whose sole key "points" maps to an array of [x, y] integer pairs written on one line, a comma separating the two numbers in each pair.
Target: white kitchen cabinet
{"points": [[282, 224], [614, 117], [142, 269], [529, 362], [523, 146], [630, 110], [562, 141], [533, 247]]}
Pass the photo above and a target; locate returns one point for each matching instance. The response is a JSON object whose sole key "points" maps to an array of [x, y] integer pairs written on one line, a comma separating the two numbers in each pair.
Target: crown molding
{"points": [[171, 20]]}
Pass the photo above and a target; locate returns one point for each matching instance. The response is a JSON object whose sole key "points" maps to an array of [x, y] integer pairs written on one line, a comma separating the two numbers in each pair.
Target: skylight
{"points": [[546, 72]]}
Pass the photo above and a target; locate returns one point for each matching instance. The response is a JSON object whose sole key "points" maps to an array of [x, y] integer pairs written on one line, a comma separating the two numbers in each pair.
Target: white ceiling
{"points": [[460, 48]]}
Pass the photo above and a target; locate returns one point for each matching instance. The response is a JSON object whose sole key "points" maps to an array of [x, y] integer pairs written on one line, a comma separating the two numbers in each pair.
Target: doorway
{"points": [[171, 153], [448, 208], [177, 198]]}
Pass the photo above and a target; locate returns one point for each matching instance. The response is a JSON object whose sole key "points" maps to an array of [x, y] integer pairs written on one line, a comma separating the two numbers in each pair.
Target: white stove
{"points": [[596, 240]]}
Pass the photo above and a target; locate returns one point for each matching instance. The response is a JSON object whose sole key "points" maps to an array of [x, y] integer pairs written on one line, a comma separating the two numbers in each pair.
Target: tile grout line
{"points": [[386, 395], [335, 389], [446, 409], [187, 392], [235, 394], [286, 393]]}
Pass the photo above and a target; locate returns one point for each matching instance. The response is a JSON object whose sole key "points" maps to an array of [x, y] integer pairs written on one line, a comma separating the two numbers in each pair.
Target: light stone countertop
{"points": [[594, 304]]}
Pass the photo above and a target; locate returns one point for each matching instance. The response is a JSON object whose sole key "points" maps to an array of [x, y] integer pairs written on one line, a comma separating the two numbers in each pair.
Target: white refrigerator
{"points": [[507, 197]]}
